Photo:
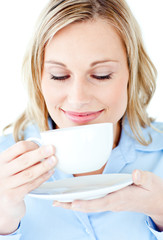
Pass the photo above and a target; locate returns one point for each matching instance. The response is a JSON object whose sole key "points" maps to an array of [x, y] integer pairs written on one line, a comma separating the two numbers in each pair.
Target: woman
{"points": [[86, 64]]}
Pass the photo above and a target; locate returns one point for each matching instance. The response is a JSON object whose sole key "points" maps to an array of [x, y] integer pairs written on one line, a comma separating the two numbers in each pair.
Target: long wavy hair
{"points": [[57, 15]]}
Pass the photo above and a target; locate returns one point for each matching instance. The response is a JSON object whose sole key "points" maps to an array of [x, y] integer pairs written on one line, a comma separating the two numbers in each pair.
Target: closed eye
{"points": [[61, 78], [105, 77]]}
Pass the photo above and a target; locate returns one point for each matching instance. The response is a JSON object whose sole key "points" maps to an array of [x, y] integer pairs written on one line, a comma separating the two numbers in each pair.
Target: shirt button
{"points": [[87, 231]]}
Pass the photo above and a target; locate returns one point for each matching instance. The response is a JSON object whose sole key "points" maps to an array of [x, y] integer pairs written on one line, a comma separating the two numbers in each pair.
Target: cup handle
{"points": [[38, 141]]}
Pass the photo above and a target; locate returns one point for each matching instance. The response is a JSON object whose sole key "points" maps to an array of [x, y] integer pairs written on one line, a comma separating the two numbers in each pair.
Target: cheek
{"points": [[115, 95], [115, 98], [51, 95], [119, 98]]}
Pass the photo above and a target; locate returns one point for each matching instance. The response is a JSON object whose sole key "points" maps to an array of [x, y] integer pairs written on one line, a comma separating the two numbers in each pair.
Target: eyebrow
{"points": [[92, 64]]}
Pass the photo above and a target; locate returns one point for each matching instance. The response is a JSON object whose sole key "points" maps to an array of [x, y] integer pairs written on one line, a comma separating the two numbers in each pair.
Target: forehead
{"points": [[84, 39]]}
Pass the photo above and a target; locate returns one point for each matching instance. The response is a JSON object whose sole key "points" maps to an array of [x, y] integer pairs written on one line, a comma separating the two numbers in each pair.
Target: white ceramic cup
{"points": [[80, 149]]}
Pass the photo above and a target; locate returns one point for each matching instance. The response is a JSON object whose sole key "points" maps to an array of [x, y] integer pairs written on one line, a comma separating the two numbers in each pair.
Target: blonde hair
{"points": [[60, 13]]}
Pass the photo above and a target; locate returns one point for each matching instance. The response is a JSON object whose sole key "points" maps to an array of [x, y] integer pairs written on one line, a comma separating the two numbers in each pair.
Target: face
{"points": [[85, 75]]}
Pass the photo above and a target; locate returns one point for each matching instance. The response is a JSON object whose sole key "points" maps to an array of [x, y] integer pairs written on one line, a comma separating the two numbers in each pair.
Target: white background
{"points": [[17, 20]]}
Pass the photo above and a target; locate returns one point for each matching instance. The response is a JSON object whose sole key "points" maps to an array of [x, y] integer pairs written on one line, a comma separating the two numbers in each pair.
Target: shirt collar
{"points": [[156, 133], [124, 153]]}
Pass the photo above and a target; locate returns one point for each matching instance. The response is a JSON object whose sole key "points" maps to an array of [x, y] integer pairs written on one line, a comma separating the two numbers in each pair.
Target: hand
{"points": [[21, 171], [145, 196]]}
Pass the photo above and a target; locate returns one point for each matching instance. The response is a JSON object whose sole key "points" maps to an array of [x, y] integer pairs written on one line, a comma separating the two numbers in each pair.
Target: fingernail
{"points": [[138, 176], [49, 149], [55, 204], [75, 206], [52, 161], [51, 172]]}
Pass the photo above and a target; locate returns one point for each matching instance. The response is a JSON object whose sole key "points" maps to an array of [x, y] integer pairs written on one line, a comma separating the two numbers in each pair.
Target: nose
{"points": [[79, 94]]}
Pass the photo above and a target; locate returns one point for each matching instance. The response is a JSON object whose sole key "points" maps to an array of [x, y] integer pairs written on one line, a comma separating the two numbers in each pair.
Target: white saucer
{"points": [[83, 188]]}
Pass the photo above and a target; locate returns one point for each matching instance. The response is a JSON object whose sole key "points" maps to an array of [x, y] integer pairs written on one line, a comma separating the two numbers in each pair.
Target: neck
{"points": [[99, 171]]}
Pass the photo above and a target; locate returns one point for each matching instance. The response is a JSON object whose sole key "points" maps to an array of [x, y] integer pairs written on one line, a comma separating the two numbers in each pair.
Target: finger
{"points": [[80, 205], [66, 205], [144, 179], [31, 173], [120, 200], [18, 194], [16, 150], [27, 188], [28, 159], [96, 205]]}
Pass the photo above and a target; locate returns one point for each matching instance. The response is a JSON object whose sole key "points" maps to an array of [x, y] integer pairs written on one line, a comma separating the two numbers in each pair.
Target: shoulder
{"points": [[7, 140], [155, 132], [158, 125]]}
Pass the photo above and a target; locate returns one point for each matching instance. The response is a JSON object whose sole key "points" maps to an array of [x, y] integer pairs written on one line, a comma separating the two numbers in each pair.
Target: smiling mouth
{"points": [[82, 117]]}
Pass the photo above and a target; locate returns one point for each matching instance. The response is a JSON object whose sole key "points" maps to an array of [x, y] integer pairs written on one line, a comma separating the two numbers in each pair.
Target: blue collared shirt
{"points": [[42, 221]]}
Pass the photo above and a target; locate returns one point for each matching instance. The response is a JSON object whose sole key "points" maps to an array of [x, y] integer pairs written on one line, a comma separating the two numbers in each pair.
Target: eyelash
{"points": [[62, 78], [106, 77]]}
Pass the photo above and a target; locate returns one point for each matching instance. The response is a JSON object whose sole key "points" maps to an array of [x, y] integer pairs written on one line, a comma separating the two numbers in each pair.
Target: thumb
{"points": [[143, 179]]}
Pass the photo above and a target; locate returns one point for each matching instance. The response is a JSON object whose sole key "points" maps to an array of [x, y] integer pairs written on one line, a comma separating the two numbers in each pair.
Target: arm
{"points": [[21, 171]]}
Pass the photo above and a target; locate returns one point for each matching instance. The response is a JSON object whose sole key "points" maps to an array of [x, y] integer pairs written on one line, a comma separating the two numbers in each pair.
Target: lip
{"points": [[82, 117]]}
